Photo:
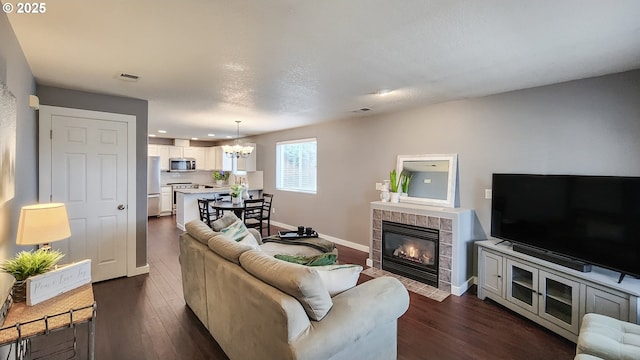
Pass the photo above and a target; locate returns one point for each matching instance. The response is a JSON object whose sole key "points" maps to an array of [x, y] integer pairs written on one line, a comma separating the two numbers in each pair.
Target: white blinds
{"points": [[296, 165]]}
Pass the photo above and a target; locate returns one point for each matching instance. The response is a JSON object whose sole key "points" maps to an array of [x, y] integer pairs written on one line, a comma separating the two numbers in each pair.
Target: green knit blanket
{"points": [[318, 260]]}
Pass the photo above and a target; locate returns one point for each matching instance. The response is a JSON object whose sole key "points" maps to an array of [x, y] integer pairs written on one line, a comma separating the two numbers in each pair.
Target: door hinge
{"points": [[51, 134], [50, 197]]}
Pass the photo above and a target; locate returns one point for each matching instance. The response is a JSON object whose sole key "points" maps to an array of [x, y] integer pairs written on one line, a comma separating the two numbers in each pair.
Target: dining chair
{"points": [[266, 211], [205, 213], [252, 213]]}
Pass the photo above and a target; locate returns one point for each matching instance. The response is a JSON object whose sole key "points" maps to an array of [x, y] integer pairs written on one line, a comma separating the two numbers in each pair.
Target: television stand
{"points": [[552, 295], [554, 258]]}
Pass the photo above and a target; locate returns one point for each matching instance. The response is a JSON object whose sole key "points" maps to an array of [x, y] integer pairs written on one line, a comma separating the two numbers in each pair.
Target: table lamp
{"points": [[42, 224]]}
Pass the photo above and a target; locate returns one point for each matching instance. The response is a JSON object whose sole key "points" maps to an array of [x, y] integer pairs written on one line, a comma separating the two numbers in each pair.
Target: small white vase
{"points": [[395, 197], [236, 200], [384, 196]]}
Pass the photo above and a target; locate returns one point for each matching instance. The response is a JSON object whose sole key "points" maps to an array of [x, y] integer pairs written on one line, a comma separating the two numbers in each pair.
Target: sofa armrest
{"points": [[256, 234], [355, 313]]}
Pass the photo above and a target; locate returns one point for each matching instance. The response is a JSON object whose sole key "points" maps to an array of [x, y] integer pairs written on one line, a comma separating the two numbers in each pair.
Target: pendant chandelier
{"points": [[237, 150]]}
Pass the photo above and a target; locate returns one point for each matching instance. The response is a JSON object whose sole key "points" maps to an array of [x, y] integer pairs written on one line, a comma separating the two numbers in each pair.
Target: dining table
{"points": [[228, 205]]}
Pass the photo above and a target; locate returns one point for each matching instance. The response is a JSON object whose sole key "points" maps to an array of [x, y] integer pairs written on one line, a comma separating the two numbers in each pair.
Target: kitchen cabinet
{"points": [[210, 158], [163, 152], [166, 202], [196, 153], [552, 295], [176, 152]]}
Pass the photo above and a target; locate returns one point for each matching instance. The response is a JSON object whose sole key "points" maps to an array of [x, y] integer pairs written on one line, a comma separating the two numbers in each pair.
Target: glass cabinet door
{"points": [[560, 301], [522, 285]]}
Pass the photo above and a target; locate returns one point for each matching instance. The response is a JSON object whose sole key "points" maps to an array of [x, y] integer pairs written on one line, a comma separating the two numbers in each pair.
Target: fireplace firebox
{"points": [[410, 251]]}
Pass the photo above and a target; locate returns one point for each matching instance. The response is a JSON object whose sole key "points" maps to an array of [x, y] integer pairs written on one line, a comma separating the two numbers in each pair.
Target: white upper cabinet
{"points": [[175, 152], [207, 158], [163, 152], [196, 153]]}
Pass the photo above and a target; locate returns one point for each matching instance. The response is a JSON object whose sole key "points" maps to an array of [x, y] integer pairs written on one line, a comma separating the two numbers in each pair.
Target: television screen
{"points": [[591, 218]]}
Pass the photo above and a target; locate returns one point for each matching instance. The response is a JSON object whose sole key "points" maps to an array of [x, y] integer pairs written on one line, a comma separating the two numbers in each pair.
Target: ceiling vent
{"points": [[129, 77]]}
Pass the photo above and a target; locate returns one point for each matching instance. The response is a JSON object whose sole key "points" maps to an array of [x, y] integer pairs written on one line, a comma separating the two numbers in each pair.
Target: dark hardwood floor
{"points": [[145, 317]]}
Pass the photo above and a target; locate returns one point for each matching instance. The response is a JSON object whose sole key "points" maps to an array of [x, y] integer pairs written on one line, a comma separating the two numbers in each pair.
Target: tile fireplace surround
{"points": [[455, 271]]}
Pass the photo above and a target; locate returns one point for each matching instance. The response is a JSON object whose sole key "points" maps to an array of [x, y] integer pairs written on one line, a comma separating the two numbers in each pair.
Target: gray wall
{"points": [[114, 104], [16, 74], [589, 126]]}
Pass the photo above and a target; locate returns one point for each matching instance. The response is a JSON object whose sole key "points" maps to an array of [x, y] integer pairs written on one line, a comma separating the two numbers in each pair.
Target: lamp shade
{"points": [[43, 223]]}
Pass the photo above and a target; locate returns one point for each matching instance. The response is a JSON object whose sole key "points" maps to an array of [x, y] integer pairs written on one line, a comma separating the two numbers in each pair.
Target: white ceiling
{"points": [[280, 64]]}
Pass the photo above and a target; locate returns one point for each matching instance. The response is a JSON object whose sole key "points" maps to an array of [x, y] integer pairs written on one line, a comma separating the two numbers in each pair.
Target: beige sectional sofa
{"points": [[258, 307]]}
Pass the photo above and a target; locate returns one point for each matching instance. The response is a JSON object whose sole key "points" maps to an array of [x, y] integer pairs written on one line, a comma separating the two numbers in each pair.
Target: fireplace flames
{"points": [[413, 254]]}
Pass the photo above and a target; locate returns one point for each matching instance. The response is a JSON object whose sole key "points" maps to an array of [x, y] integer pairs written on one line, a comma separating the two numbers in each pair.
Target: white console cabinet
{"points": [[552, 295]]}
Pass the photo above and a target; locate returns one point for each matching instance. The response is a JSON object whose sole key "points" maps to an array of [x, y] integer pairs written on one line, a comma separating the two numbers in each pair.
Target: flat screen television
{"points": [[595, 219]]}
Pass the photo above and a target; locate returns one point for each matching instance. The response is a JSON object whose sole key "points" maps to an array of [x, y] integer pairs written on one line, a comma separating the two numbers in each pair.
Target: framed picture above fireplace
{"points": [[433, 178]]}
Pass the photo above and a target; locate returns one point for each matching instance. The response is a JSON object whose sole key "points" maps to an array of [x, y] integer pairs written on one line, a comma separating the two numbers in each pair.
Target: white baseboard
{"points": [[459, 290], [336, 240]]}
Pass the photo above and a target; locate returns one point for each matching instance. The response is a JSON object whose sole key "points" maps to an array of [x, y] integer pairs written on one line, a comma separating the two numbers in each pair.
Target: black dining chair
{"points": [[252, 213], [204, 209], [266, 211]]}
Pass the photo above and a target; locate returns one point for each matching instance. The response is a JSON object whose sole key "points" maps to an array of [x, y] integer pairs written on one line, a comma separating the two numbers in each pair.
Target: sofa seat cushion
{"points": [[301, 282], [338, 278], [200, 231], [608, 338]]}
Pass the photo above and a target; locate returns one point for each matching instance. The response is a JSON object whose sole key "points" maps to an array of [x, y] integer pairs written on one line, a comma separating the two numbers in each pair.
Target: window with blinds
{"points": [[296, 165]]}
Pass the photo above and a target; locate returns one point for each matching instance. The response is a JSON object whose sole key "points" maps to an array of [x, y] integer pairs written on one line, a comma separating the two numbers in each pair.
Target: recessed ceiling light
{"points": [[152, 135], [229, 136], [194, 138], [212, 135], [383, 92], [162, 131]]}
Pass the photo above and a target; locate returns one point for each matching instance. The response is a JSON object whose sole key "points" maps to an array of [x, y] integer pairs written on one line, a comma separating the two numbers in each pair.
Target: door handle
{"points": [[120, 207]]}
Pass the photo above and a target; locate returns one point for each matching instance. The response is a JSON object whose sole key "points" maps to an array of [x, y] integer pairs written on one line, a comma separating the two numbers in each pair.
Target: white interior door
{"points": [[89, 173]]}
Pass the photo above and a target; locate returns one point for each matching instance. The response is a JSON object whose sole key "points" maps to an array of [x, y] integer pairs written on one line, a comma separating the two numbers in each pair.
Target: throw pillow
{"points": [[301, 282], [318, 260], [338, 278], [227, 219], [236, 231]]}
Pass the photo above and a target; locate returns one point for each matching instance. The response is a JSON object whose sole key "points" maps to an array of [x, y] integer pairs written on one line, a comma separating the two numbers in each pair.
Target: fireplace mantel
{"points": [[456, 244]]}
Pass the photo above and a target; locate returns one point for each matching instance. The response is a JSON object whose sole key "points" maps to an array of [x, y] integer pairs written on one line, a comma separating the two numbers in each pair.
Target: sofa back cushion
{"points": [[227, 248], [200, 231], [227, 219], [299, 281]]}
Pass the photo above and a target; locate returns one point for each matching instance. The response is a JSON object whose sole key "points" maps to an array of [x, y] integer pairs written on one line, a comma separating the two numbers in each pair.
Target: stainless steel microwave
{"points": [[182, 164]]}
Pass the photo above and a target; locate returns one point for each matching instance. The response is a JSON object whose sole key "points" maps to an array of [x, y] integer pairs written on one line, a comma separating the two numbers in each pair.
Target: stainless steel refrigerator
{"points": [[153, 186]]}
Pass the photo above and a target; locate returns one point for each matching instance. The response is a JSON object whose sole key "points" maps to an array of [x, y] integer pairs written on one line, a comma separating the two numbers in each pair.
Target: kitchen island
{"points": [[187, 202]]}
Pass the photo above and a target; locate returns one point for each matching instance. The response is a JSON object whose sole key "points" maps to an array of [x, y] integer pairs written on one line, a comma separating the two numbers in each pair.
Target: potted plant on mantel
{"points": [[395, 184], [29, 263]]}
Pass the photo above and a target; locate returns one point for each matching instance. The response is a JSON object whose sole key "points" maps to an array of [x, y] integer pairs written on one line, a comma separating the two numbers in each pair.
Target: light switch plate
{"points": [[378, 186], [488, 193]]}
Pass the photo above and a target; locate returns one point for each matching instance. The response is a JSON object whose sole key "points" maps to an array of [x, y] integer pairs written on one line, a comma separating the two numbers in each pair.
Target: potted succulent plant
{"points": [[405, 179], [29, 263], [395, 182]]}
